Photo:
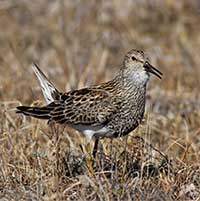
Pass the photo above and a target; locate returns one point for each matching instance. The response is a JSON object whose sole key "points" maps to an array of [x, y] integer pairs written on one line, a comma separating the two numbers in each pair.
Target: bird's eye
{"points": [[133, 58]]}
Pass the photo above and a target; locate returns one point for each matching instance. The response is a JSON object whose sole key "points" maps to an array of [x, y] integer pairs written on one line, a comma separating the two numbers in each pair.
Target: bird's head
{"points": [[137, 67]]}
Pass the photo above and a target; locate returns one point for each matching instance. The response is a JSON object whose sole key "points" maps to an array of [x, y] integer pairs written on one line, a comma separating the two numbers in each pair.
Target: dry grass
{"points": [[79, 43]]}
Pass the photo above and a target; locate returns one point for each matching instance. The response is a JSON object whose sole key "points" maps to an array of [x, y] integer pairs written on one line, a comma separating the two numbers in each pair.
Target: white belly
{"points": [[89, 133]]}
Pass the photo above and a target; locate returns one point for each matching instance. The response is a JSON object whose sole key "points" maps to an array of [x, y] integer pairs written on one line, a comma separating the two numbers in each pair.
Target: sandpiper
{"points": [[111, 109]]}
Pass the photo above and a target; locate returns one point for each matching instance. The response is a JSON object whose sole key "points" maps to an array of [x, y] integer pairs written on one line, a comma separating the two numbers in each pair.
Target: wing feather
{"points": [[85, 106], [49, 91]]}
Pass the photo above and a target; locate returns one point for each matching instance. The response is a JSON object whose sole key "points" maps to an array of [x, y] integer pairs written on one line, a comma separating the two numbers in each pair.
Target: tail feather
{"points": [[49, 91], [37, 112]]}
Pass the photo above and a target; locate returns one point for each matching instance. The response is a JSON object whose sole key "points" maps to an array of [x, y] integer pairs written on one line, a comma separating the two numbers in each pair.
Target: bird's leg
{"points": [[125, 147], [95, 148], [111, 147]]}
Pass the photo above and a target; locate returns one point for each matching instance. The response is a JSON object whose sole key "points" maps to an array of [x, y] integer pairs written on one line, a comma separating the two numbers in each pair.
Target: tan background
{"points": [[80, 43]]}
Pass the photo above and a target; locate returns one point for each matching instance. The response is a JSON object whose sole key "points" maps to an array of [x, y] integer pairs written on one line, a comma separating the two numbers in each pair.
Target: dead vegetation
{"points": [[79, 43]]}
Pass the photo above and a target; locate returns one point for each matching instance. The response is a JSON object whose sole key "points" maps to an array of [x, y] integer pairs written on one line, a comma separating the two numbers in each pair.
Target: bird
{"points": [[111, 109]]}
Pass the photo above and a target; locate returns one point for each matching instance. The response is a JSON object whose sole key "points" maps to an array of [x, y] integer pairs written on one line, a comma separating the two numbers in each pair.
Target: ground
{"points": [[80, 43]]}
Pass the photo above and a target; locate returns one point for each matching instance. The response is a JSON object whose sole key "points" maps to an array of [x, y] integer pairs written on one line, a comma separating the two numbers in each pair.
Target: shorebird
{"points": [[111, 109]]}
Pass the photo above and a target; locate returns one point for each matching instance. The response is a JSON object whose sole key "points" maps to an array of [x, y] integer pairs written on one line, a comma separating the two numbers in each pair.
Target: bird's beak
{"points": [[149, 68]]}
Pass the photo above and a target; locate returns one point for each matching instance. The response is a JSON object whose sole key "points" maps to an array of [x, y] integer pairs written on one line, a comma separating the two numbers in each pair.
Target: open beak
{"points": [[149, 68]]}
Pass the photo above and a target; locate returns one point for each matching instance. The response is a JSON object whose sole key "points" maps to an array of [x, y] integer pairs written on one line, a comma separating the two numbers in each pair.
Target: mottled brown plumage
{"points": [[111, 109]]}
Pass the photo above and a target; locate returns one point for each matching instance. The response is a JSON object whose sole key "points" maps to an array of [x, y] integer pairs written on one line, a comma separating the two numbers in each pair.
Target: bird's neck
{"points": [[132, 82], [133, 93]]}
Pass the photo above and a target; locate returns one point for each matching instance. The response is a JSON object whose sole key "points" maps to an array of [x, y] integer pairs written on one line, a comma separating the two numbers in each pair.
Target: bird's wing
{"points": [[49, 91], [85, 106]]}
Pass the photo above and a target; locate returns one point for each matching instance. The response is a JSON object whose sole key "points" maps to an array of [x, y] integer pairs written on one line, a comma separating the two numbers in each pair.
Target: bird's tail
{"points": [[37, 112], [49, 91]]}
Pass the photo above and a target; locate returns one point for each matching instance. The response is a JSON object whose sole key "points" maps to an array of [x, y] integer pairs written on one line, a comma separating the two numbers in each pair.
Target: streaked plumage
{"points": [[111, 109]]}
